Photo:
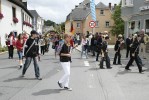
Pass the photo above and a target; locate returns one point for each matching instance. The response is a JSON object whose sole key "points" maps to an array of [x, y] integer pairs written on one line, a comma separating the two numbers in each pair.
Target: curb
{"points": [[3, 52]]}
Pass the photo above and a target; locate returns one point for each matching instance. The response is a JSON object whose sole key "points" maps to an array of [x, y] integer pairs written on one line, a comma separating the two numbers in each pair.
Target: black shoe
{"points": [[142, 71], [114, 64], [20, 66], [60, 84], [68, 88], [109, 68], [38, 78], [119, 64], [127, 69], [102, 68], [144, 58]]}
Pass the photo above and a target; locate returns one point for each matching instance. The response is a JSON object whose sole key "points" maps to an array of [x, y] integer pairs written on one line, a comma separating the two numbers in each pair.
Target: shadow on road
{"points": [[1, 94], [11, 67], [18, 79], [47, 92]]}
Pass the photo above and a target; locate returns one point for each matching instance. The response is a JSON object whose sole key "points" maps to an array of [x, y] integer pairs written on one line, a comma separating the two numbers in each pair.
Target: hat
{"points": [[120, 35], [34, 32], [135, 35]]}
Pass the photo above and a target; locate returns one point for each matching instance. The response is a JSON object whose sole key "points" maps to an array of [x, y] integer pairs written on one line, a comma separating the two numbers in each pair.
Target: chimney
{"points": [[76, 6], [110, 6], [24, 2], [115, 6]]}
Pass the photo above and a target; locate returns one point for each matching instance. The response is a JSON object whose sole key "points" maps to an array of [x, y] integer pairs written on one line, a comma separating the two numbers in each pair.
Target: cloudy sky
{"points": [[57, 10]]}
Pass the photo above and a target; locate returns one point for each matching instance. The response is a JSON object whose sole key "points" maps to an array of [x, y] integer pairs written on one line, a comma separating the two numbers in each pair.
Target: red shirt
{"points": [[71, 43], [19, 45]]}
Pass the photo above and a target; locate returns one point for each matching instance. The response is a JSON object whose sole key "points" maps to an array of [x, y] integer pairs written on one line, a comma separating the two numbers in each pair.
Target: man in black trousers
{"points": [[117, 49], [135, 51], [105, 56], [128, 43]]}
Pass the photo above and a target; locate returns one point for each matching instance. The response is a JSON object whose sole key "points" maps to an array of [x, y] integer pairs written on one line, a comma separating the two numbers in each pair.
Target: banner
{"points": [[93, 10]]}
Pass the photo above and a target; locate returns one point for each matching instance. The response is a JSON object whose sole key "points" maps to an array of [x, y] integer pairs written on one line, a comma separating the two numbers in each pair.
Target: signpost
{"points": [[92, 24]]}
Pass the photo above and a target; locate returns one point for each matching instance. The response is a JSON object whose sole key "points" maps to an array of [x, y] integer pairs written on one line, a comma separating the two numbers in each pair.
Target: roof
{"points": [[20, 4], [78, 14], [85, 2], [34, 13], [101, 5]]}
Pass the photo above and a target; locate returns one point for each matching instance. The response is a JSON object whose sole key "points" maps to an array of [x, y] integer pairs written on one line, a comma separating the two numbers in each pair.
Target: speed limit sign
{"points": [[92, 24]]}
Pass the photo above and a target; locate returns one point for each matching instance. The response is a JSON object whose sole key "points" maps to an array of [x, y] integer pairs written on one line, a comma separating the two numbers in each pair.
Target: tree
{"points": [[118, 27], [49, 23]]}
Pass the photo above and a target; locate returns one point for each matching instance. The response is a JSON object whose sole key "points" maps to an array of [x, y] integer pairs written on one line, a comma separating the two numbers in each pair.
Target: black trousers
{"points": [[98, 53], [107, 60], [93, 50], [135, 58], [42, 50], [117, 55], [128, 51], [10, 51]]}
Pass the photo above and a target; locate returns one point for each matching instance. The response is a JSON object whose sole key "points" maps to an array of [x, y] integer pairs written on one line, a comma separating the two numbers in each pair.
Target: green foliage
{"points": [[49, 23], [3, 49], [118, 27]]}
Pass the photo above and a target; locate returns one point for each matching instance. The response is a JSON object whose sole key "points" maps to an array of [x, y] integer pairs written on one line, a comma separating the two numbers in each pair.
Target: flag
{"points": [[71, 28], [93, 10]]}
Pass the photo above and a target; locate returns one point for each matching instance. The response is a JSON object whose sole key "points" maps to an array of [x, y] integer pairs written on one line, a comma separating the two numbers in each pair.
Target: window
{"points": [[78, 25], [97, 23], [101, 12], [107, 24], [127, 2], [13, 12], [0, 6], [23, 16]]}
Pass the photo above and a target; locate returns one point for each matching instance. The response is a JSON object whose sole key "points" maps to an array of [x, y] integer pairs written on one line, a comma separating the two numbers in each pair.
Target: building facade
{"points": [[38, 22], [81, 17], [135, 13], [15, 17]]}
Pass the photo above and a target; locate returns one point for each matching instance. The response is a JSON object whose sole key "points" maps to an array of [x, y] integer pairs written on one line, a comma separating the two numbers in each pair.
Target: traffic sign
{"points": [[92, 24]]}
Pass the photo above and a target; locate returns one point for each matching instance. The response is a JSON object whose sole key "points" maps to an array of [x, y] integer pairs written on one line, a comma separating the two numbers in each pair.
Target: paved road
{"points": [[87, 80]]}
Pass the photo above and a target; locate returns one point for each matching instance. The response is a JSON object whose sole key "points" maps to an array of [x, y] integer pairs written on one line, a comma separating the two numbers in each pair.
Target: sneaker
{"points": [[38, 78], [60, 84], [67, 88]]}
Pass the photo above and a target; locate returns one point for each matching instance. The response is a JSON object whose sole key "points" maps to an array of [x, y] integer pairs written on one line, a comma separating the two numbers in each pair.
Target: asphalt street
{"points": [[87, 80]]}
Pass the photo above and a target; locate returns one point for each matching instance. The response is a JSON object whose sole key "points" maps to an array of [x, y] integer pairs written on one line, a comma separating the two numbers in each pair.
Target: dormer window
{"points": [[127, 3]]}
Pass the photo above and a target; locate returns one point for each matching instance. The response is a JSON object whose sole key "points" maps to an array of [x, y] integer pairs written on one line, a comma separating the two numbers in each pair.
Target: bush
{"points": [[3, 49]]}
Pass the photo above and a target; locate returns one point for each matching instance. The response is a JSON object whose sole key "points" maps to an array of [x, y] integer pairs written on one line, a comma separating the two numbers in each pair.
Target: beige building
{"points": [[81, 16]]}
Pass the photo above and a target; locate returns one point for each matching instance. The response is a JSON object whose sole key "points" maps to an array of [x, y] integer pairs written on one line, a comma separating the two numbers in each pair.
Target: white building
{"points": [[16, 18], [38, 22]]}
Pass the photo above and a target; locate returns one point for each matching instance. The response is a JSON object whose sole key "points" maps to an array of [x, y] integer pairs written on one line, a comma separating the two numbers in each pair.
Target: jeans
{"points": [[65, 79], [20, 54], [107, 59], [27, 64], [84, 50]]}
